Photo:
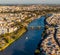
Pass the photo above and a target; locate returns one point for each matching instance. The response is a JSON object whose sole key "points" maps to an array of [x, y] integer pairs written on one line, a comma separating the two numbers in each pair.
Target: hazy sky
{"points": [[29, 1]]}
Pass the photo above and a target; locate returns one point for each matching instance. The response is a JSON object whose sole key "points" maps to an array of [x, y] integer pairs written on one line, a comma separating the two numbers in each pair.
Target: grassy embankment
{"points": [[18, 35]]}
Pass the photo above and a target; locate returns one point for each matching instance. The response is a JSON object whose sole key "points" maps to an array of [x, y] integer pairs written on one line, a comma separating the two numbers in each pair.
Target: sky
{"points": [[29, 1]]}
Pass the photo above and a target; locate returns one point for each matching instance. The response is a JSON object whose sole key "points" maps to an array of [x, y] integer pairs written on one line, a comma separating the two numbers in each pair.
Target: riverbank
{"points": [[50, 36], [33, 38], [18, 35], [8, 37]]}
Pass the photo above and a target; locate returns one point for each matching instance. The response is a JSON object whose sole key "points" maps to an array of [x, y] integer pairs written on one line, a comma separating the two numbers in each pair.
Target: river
{"points": [[27, 44]]}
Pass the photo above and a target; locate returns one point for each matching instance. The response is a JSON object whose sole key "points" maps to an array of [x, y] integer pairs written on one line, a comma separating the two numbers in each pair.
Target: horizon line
{"points": [[29, 4]]}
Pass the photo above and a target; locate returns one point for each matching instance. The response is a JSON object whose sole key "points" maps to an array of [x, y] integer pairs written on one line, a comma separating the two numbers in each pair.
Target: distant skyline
{"points": [[29, 1]]}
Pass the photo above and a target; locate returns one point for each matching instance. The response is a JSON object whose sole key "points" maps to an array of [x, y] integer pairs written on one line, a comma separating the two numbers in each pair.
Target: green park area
{"points": [[9, 38]]}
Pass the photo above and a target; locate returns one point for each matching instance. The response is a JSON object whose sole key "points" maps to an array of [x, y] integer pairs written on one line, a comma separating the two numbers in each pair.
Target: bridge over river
{"points": [[34, 27]]}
